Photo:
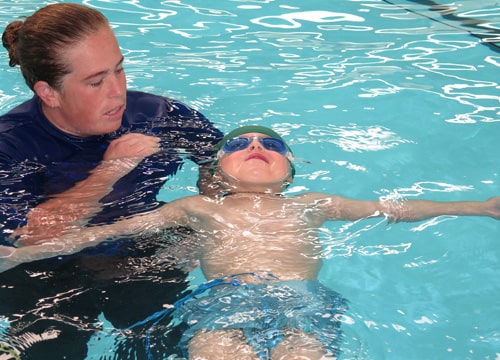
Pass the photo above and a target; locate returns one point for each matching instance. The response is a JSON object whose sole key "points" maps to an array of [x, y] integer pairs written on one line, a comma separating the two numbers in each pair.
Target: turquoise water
{"points": [[377, 99]]}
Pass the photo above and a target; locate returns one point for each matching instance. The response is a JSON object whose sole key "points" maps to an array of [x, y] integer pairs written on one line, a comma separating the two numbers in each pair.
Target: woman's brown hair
{"points": [[37, 44]]}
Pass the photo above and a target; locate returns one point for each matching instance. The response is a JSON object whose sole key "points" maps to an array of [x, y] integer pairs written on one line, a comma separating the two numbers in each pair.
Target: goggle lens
{"points": [[268, 143]]}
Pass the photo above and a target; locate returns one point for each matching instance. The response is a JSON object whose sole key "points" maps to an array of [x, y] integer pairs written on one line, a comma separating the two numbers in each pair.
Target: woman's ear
{"points": [[45, 92]]}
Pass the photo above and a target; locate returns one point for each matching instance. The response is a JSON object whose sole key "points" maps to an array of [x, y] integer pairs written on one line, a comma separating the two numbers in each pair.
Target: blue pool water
{"points": [[377, 99]]}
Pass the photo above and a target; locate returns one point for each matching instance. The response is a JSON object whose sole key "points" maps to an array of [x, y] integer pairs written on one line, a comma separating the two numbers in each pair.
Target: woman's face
{"points": [[92, 98]]}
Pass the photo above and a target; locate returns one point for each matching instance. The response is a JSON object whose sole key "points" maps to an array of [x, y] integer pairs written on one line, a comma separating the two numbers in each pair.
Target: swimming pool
{"points": [[390, 96]]}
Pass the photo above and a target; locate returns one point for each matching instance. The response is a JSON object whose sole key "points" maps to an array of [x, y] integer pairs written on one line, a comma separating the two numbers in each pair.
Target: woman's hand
{"points": [[132, 145]]}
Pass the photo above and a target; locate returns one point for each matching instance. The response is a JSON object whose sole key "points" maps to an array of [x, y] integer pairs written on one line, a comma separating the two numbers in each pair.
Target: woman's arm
{"points": [[81, 202]]}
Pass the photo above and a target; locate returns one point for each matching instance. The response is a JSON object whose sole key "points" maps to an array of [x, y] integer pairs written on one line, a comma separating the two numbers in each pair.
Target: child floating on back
{"points": [[262, 246]]}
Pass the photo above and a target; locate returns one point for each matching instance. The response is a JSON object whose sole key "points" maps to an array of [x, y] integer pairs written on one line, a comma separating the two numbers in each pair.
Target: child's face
{"points": [[255, 163]]}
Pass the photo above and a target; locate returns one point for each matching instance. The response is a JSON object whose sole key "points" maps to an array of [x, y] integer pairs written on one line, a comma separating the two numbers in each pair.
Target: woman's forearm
{"points": [[75, 205]]}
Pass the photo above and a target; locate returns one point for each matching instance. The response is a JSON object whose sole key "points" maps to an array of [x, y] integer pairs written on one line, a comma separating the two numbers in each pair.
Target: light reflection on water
{"points": [[377, 99]]}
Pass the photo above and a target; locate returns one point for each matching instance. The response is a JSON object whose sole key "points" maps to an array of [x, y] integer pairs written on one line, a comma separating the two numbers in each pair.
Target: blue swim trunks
{"points": [[265, 311]]}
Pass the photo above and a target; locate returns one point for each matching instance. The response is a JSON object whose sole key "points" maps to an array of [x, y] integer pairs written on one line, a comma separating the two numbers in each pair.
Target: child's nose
{"points": [[255, 144]]}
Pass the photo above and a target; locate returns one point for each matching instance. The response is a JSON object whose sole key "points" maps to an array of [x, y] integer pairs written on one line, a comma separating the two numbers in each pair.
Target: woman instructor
{"points": [[85, 147]]}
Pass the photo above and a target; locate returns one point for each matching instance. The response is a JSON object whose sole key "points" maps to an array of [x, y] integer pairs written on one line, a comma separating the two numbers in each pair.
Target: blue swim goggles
{"points": [[268, 143]]}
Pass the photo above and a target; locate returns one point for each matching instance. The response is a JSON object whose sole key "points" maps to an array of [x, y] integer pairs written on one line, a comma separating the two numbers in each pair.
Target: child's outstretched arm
{"points": [[76, 239], [417, 210], [410, 210], [70, 243]]}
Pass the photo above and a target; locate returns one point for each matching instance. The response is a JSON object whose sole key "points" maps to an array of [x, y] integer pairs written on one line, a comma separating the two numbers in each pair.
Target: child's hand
{"points": [[493, 207], [11, 256], [7, 257]]}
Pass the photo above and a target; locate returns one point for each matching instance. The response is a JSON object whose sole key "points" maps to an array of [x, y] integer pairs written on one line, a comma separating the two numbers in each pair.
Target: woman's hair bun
{"points": [[10, 40]]}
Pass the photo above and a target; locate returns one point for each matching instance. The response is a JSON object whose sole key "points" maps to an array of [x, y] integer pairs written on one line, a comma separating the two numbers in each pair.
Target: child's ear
{"points": [[47, 93], [287, 182], [220, 182], [217, 178]]}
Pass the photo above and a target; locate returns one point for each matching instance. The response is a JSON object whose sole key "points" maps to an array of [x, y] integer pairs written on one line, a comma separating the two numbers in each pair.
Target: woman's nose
{"points": [[117, 85]]}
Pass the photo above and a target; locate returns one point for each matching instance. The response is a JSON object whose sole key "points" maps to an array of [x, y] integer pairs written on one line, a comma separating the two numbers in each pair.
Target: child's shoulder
{"points": [[193, 199], [315, 196]]}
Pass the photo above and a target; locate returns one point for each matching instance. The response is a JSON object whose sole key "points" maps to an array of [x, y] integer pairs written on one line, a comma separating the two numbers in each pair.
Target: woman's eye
{"points": [[96, 84]]}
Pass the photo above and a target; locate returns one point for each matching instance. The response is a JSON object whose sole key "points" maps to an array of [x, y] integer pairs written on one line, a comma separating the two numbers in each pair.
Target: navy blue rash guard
{"points": [[38, 160]]}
